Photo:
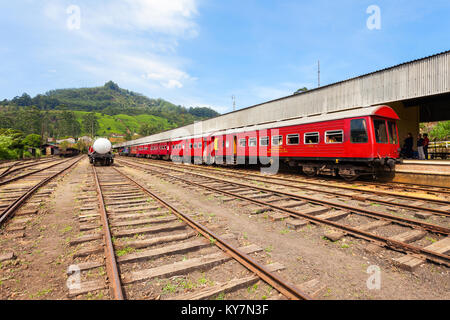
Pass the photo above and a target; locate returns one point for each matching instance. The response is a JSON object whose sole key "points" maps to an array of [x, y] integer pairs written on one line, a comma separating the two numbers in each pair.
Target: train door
{"points": [[380, 131], [234, 149]]}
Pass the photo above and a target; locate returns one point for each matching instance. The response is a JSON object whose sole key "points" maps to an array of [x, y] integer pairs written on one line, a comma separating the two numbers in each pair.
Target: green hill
{"points": [[60, 112], [123, 123]]}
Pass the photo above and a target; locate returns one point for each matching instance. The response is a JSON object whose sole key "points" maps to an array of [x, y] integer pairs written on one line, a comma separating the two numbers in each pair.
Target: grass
{"points": [[221, 296], [252, 288], [431, 239], [90, 296], [170, 288], [124, 251], [284, 231], [41, 293], [66, 229], [268, 249], [202, 280]]}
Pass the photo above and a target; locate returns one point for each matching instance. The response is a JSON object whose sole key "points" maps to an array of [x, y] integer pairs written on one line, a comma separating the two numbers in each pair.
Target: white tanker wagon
{"points": [[101, 152]]}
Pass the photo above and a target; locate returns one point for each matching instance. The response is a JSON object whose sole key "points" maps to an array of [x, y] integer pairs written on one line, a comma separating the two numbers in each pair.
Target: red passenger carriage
{"points": [[348, 143]]}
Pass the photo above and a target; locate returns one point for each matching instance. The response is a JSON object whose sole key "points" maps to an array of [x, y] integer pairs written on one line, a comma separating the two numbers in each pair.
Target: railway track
{"points": [[14, 192], [21, 165], [299, 210], [18, 172], [438, 203], [145, 238]]}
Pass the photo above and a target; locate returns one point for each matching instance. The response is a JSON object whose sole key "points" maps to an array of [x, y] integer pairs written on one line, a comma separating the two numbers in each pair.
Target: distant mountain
{"points": [[64, 112], [112, 100]]}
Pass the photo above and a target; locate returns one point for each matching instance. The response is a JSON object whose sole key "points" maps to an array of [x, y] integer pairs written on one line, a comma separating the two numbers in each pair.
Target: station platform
{"points": [[427, 172]]}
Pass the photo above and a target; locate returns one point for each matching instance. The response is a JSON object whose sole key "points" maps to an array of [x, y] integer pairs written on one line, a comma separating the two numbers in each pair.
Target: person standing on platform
{"points": [[408, 146], [426, 143], [420, 142]]}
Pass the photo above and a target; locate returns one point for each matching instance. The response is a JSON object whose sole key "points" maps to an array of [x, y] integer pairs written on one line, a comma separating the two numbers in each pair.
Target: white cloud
{"points": [[132, 41], [173, 84]]}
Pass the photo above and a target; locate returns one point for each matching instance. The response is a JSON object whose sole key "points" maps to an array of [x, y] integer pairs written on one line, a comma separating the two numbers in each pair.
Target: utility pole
{"points": [[234, 102], [318, 73]]}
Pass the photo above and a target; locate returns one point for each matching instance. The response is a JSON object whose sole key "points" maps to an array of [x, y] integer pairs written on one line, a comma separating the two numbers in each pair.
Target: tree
{"points": [[301, 90], [24, 100], [148, 129], [441, 131], [32, 140], [113, 86], [68, 125], [90, 124]]}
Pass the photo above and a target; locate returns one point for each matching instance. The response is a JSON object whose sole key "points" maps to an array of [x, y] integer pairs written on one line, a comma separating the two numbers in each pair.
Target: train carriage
{"points": [[349, 143]]}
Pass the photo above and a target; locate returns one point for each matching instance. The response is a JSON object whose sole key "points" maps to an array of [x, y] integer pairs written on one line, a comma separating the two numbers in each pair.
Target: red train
{"points": [[350, 144]]}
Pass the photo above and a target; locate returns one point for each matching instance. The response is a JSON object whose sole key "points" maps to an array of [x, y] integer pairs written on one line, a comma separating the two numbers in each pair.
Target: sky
{"points": [[201, 53]]}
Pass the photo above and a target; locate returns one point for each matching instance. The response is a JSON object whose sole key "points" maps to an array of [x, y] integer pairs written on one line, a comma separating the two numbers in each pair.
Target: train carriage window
{"points": [[292, 139], [358, 131], [392, 132], [199, 145], [380, 131], [242, 142], [335, 136], [190, 145], [252, 142], [264, 141], [195, 146], [277, 140], [311, 138], [227, 144]]}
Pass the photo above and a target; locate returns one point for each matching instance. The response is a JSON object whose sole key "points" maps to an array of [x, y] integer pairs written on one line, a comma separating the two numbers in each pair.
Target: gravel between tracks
{"points": [[341, 266]]}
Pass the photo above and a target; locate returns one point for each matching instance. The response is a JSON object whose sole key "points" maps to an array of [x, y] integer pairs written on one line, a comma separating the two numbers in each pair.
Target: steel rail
{"points": [[366, 212], [259, 179], [4, 173], [272, 279], [377, 192], [111, 263], [9, 212], [384, 241]]}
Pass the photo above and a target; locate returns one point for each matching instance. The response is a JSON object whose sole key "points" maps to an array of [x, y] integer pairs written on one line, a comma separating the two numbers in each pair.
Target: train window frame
{"points": [[261, 140], [280, 140], [352, 135], [288, 136], [392, 132], [385, 128], [329, 132], [254, 140], [244, 141], [311, 134]]}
